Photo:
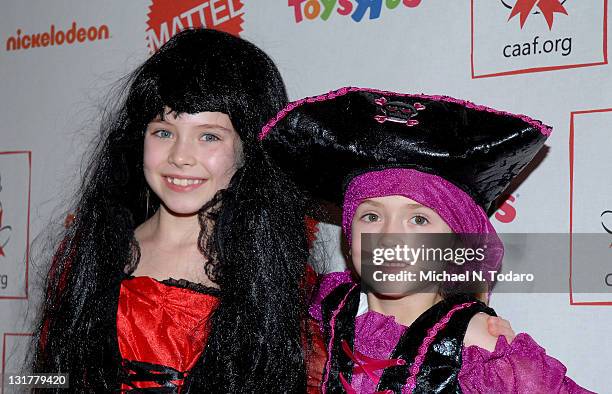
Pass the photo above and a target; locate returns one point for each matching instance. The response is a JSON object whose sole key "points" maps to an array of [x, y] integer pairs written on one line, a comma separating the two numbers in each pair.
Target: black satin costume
{"points": [[439, 372]]}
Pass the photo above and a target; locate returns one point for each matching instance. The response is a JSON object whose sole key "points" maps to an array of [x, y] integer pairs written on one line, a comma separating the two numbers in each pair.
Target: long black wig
{"points": [[256, 251]]}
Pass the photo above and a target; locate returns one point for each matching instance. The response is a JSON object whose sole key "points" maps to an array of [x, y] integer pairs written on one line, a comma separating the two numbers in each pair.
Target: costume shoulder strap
{"points": [[432, 347], [339, 310]]}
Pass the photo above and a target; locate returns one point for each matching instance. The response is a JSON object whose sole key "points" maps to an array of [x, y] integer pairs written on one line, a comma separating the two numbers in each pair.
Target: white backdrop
{"points": [[58, 60]]}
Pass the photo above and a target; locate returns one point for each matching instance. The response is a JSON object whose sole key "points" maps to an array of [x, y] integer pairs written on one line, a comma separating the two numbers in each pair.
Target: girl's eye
{"points": [[163, 134], [370, 217], [419, 220], [209, 138]]}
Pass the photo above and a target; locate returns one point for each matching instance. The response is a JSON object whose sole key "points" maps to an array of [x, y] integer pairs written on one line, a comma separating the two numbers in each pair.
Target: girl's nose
{"points": [[181, 155]]}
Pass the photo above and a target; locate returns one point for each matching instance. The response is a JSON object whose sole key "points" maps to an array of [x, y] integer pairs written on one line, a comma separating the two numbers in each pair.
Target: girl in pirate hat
{"points": [[400, 165]]}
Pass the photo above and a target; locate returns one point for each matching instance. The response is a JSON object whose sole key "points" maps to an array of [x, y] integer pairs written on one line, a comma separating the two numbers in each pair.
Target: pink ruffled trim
{"points": [[328, 283], [544, 129], [522, 344], [376, 334], [519, 367]]}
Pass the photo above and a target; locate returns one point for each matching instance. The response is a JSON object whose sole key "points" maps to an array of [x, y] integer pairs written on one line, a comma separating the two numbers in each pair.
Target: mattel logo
{"points": [[525, 36], [56, 37], [166, 18]]}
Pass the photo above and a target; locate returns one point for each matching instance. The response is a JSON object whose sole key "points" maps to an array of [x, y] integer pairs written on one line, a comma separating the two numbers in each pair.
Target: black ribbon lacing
{"points": [[140, 371]]}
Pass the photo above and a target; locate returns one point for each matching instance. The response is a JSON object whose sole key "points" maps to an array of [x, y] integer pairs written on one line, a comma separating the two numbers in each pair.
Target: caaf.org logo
{"points": [[537, 46], [356, 9], [525, 36], [524, 8], [168, 17], [56, 36]]}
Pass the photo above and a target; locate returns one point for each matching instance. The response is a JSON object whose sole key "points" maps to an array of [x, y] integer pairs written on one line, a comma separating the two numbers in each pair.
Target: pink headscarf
{"points": [[455, 207]]}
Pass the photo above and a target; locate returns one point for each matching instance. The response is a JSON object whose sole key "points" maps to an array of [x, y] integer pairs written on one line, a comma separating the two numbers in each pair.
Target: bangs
{"points": [[208, 71], [182, 91]]}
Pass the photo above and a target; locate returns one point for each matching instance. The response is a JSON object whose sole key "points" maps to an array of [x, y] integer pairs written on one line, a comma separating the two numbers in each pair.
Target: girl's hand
{"points": [[484, 330], [498, 326]]}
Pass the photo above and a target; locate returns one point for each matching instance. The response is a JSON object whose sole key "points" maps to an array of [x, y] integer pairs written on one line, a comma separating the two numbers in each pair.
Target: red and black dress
{"points": [[161, 331]]}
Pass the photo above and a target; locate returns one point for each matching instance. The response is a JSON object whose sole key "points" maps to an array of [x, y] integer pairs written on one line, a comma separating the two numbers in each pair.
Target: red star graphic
{"points": [[548, 8]]}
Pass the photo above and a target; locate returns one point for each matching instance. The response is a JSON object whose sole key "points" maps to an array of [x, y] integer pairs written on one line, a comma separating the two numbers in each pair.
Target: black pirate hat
{"points": [[325, 141]]}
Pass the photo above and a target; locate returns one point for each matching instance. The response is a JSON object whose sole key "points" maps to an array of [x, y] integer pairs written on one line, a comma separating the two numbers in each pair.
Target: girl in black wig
{"points": [[182, 271]]}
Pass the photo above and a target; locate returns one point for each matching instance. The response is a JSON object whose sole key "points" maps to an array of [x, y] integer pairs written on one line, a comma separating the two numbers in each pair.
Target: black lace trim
{"points": [[185, 284]]}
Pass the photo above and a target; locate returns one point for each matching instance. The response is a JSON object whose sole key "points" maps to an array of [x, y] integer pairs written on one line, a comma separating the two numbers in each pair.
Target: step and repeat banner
{"points": [[544, 58]]}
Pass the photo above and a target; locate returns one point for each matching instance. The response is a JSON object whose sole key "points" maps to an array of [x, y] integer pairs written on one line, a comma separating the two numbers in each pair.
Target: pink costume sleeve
{"points": [[519, 367], [328, 283]]}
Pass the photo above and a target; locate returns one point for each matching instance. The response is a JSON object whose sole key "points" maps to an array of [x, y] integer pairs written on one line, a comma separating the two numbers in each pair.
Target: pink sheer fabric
{"points": [[519, 367]]}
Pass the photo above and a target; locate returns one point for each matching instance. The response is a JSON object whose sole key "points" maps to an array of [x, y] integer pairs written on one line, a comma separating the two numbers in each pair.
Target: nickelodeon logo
{"points": [[57, 37]]}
